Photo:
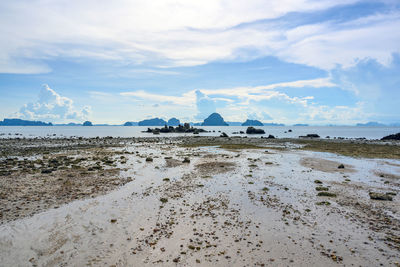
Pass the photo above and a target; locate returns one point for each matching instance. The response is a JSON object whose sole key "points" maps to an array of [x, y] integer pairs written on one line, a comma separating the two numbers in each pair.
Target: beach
{"points": [[199, 201]]}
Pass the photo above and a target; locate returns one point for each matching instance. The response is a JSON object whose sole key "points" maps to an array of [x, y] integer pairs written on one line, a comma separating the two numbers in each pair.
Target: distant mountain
{"points": [[131, 123], [252, 123], [87, 123], [214, 120], [274, 124], [234, 123], [68, 124], [395, 124], [152, 122], [19, 122], [370, 124], [173, 122], [300, 124]]}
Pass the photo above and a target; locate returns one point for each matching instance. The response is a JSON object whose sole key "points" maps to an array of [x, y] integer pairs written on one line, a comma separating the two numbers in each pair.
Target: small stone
{"points": [[380, 196], [326, 194], [164, 200]]}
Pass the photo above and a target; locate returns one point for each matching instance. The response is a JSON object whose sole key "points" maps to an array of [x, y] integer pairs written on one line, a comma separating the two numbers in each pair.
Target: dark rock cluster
{"points": [[392, 137], [186, 128], [309, 136], [252, 130]]}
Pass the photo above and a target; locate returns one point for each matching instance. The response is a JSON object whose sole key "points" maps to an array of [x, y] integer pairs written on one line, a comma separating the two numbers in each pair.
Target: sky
{"points": [[284, 61]]}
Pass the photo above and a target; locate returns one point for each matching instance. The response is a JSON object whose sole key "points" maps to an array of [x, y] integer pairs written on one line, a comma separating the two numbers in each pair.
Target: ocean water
{"points": [[137, 131]]}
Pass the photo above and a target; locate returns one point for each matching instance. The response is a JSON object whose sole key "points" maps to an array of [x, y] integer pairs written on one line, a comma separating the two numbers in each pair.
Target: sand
{"points": [[232, 202]]}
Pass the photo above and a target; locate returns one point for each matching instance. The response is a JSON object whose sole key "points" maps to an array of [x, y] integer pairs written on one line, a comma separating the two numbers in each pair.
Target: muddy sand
{"points": [[203, 201]]}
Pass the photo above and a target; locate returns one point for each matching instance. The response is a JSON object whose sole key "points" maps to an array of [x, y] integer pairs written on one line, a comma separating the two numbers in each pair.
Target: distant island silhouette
{"points": [[215, 119], [19, 122], [87, 123], [252, 123]]}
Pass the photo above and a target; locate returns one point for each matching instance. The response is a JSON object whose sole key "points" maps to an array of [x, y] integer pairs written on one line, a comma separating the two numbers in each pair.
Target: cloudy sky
{"points": [[286, 61]]}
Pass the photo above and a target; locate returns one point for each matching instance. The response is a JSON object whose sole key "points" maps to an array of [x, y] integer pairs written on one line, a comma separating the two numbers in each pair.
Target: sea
{"points": [[138, 131]]}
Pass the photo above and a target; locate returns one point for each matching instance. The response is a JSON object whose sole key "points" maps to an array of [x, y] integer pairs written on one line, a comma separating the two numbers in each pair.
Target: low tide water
{"points": [[137, 131]]}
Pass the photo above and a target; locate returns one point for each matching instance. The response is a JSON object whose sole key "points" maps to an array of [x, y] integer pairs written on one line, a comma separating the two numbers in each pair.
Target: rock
{"points": [[271, 136], [309, 136], [186, 160], [380, 196], [164, 200], [252, 130], [46, 171], [289, 130], [323, 203], [326, 194], [223, 135], [149, 159], [341, 166], [322, 188], [392, 137], [167, 129], [113, 220], [179, 129]]}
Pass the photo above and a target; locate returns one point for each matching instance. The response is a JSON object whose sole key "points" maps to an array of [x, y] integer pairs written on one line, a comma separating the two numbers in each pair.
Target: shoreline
{"points": [[199, 201]]}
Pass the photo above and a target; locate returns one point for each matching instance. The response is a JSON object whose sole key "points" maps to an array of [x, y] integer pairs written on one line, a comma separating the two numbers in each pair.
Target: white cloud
{"points": [[182, 33], [265, 103], [186, 99], [336, 114], [328, 44], [259, 115], [52, 106], [246, 92], [255, 93], [205, 105]]}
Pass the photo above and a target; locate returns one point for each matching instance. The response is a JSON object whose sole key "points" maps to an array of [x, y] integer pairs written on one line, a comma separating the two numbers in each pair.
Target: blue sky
{"points": [[286, 61]]}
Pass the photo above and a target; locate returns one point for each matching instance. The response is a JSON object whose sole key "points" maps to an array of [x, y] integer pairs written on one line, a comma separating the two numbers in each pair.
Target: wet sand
{"points": [[196, 202]]}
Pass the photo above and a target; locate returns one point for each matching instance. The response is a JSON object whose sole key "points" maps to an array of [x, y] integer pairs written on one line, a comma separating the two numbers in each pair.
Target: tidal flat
{"points": [[199, 201]]}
